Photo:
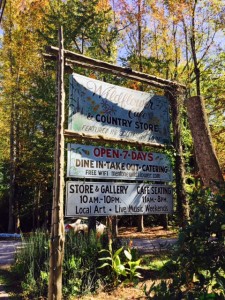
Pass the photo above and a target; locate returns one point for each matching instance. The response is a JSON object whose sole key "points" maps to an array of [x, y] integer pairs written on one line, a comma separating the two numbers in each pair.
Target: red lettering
{"points": [[150, 156], [116, 153], [97, 152], [141, 155], [108, 153]]}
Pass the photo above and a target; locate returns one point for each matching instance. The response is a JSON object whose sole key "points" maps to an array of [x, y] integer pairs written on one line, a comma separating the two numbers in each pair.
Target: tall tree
{"points": [[198, 24], [213, 89], [203, 30], [20, 54], [87, 25]]}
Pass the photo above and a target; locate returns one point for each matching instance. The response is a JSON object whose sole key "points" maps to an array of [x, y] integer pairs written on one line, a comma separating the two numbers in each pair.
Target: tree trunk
{"points": [[140, 36], [12, 170], [12, 139], [141, 223], [57, 227], [208, 165], [165, 222], [36, 206], [193, 50], [17, 217], [176, 103], [114, 226], [91, 224]]}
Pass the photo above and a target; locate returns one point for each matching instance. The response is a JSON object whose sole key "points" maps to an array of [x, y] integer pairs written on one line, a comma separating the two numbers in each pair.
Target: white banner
{"points": [[110, 198], [98, 108], [109, 163]]}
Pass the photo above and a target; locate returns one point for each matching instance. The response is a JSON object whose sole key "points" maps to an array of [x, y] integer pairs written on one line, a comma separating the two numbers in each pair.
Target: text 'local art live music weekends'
{"points": [[98, 108], [110, 198]]}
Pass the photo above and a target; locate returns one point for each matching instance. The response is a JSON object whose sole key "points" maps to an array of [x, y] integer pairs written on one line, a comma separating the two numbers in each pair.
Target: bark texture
{"points": [[57, 226], [205, 154], [176, 102]]}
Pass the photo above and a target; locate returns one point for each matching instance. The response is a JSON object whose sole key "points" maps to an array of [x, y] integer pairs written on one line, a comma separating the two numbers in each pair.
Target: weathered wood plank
{"points": [[101, 138], [69, 69], [98, 63], [116, 73]]}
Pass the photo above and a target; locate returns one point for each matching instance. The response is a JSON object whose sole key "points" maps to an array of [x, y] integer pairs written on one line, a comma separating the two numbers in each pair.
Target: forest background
{"points": [[182, 42]]}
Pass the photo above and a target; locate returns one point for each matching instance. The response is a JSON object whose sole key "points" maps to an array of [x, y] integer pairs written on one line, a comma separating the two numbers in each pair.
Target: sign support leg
{"points": [[57, 226]]}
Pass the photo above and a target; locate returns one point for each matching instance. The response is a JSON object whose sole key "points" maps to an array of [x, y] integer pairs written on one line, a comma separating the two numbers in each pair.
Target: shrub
{"points": [[198, 262]]}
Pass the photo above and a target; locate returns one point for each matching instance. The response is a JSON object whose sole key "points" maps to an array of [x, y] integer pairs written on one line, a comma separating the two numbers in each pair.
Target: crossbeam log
{"points": [[76, 58], [79, 136]]}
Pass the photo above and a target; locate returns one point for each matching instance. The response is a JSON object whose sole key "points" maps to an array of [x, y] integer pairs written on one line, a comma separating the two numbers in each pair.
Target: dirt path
{"points": [[151, 240], [7, 256], [7, 251], [156, 232]]}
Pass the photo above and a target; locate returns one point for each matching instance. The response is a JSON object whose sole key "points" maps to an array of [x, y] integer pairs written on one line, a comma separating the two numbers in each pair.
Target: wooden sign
{"points": [[101, 109], [111, 198], [109, 163]]}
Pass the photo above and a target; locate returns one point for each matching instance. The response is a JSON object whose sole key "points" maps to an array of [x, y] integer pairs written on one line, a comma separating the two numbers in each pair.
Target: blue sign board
{"points": [[105, 110]]}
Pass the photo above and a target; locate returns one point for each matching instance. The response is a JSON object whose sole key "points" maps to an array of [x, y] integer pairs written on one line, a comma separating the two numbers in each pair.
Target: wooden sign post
{"points": [[172, 91], [57, 226]]}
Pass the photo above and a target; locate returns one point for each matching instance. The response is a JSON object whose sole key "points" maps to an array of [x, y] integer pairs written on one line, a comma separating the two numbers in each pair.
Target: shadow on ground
{"points": [[8, 283]]}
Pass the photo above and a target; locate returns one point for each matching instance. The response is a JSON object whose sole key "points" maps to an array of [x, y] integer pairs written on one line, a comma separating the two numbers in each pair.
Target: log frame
{"points": [[66, 59]]}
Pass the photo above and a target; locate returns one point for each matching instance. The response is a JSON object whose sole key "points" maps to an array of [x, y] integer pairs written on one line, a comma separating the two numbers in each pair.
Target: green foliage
{"points": [[114, 262], [72, 274], [133, 266], [87, 27], [121, 268], [198, 263], [35, 168], [80, 273], [213, 88], [31, 264], [157, 264], [80, 264]]}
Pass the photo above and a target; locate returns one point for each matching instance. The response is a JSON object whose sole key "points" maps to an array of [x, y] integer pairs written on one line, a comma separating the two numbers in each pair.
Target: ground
{"points": [[121, 293], [148, 233]]}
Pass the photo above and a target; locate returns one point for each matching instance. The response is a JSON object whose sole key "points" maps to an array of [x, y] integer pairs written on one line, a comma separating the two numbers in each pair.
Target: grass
{"points": [[157, 265], [156, 260]]}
